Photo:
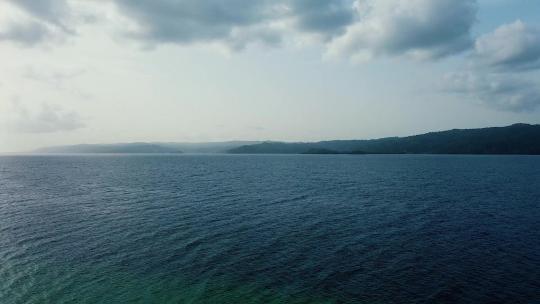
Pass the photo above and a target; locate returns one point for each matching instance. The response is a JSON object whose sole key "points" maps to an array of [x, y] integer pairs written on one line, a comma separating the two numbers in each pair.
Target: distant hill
{"points": [[111, 148], [209, 147], [514, 139]]}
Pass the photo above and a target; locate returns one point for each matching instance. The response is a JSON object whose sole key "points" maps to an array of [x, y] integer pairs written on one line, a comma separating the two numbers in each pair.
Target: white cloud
{"points": [[47, 119], [499, 91], [53, 76], [53, 12], [423, 29], [514, 46]]}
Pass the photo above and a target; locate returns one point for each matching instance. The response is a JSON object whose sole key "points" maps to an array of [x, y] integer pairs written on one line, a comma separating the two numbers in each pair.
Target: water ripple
{"points": [[262, 229]]}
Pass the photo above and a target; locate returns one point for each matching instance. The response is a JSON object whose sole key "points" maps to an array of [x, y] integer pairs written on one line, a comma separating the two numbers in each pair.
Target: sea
{"points": [[269, 229]]}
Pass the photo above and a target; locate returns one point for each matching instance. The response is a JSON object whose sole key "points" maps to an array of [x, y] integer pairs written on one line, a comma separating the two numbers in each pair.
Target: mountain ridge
{"points": [[518, 138], [514, 139]]}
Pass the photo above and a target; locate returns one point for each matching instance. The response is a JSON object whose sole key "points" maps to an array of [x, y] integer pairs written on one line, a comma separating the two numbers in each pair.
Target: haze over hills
{"points": [[111, 148], [168, 147], [208, 147], [514, 139]]}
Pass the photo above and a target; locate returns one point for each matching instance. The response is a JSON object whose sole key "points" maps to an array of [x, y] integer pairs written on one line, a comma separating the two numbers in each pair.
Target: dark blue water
{"points": [[269, 229]]}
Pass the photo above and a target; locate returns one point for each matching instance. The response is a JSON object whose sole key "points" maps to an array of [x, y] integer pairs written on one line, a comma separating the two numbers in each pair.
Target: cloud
{"points": [[322, 16], [53, 12], [500, 58], [51, 76], [356, 28], [233, 22], [60, 78], [26, 34], [189, 21], [44, 21], [423, 29], [48, 119], [514, 46], [240, 37], [499, 91]]}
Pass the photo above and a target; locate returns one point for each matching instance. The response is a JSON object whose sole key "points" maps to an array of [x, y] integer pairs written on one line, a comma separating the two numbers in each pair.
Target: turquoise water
{"points": [[269, 229]]}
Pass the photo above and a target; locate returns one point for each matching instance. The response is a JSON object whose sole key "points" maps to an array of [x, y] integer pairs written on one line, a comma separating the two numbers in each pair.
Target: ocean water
{"points": [[269, 229]]}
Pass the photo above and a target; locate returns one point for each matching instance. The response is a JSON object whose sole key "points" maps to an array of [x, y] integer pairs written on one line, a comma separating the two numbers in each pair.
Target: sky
{"points": [[84, 71]]}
